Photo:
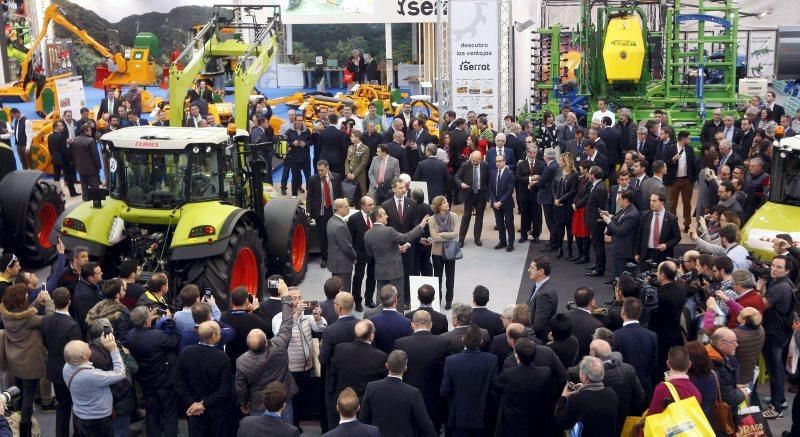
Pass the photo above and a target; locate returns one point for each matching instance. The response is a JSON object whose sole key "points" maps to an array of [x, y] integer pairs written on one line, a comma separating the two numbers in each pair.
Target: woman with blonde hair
{"points": [[443, 227], [564, 190]]}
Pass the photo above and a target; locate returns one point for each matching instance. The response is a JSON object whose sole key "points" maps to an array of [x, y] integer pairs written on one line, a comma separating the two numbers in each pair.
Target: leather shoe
{"points": [[496, 228], [460, 244], [500, 246], [594, 273], [510, 249], [582, 260], [548, 249], [574, 258], [478, 243], [369, 303], [359, 308], [523, 239], [591, 267], [560, 253], [448, 305], [610, 281], [323, 264], [535, 240]]}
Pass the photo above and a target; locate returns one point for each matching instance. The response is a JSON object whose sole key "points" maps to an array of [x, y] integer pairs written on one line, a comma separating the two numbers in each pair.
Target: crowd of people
{"points": [[117, 350]]}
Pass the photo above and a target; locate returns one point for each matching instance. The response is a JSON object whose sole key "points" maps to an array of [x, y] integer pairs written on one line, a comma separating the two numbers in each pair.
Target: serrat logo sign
{"points": [[419, 7]]}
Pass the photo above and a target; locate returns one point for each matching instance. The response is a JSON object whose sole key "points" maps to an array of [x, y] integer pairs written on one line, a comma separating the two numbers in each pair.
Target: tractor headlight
{"points": [[202, 231], [75, 224]]}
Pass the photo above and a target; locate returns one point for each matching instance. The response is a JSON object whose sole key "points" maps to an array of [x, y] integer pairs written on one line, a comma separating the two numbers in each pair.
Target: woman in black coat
{"points": [[579, 228], [548, 134], [564, 190]]}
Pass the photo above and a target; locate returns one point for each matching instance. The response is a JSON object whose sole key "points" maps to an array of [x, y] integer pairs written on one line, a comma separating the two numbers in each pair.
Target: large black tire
{"points": [[288, 238], [30, 207], [217, 272]]}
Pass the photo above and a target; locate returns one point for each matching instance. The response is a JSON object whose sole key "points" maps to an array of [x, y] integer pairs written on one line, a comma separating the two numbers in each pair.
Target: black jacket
{"points": [[613, 142], [354, 365], [522, 173], [597, 199], [670, 233], [433, 171], [85, 298], [332, 145], [488, 320], [58, 148], [502, 350], [204, 374], [727, 369], [396, 408], [527, 397], [426, 354], [666, 318], [466, 384], [599, 160], [243, 323], [315, 196], [358, 227], [156, 352], [439, 320], [263, 425], [342, 331], [58, 330], [464, 175], [621, 377], [268, 309], [583, 327], [639, 348], [672, 166], [594, 407]]}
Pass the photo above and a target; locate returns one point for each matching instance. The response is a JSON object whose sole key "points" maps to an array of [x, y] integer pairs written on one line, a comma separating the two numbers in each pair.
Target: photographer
{"points": [[625, 287], [155, 351], [201, 312], [729, 245], [242, 318], [778, 306], [783, 245], [666, 319], [92, 401], [5, 428], [155, 296], [742, 282], [189, 296]]}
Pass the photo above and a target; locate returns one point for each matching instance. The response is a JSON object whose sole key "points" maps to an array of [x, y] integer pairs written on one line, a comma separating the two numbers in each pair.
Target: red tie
{"points": [[656, 231], [326, 189], [400, 209], [369, 222]]}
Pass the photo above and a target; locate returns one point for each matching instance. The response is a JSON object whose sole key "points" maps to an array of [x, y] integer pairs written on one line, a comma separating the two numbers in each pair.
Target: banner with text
{"points": [[70, 94], [761, 59], [358, 11], [474, 57]]}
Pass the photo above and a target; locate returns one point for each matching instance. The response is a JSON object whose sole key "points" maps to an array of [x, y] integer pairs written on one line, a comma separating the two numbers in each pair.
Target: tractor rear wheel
{"points": [[242, 264], [291, 258], [30, 209]]}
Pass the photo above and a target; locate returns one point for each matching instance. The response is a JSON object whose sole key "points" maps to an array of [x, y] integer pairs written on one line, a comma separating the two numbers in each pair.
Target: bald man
{"points": [[473, 180], [621, 377], [203, 381], [357, 363], [265, 362], [722, 352]]}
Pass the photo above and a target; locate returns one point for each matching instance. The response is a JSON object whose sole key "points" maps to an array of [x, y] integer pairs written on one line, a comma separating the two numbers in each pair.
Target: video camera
{"points": [[759, 269], [646, 275]]}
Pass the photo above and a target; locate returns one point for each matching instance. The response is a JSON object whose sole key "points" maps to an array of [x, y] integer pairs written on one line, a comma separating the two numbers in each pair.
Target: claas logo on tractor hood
{"points": [[153, 144]]}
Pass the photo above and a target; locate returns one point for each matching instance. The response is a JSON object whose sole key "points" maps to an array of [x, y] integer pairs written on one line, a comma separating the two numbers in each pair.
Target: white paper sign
{"points": [[474, 57], [70, 95], [761, 59]]}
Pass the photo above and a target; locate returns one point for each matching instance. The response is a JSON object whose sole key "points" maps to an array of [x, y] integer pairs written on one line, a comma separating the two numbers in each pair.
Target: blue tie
{"points": [[533, 293]]}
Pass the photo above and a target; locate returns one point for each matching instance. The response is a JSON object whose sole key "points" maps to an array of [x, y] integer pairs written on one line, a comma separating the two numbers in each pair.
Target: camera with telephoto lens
{"points": [[646, 275], [571, 305], [759, 269], [10, 397]]}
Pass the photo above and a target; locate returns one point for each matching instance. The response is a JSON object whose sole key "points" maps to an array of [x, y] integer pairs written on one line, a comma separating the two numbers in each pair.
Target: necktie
{"points": [[382, 171], [497, 186], [533, 293], [369, 222], [635, 183], [326, 190], [476, 185], [400, 209], [111, 106], [656, 230], [641, 144], [530, 163]]}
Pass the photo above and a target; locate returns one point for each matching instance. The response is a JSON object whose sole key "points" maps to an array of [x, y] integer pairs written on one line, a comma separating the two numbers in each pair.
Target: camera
{"points": [[759, 269], [10, 396], [310, 308], [207, 294], [571, 305], [161, 312], [272, 283], [107, 330]]}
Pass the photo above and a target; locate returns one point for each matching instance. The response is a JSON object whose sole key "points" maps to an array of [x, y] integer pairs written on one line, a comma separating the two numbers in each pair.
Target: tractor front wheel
{"points": [[242, 264]]}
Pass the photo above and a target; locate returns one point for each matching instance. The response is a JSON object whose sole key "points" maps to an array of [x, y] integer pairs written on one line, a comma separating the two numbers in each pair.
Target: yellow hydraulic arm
{"points": [[56, 14]]}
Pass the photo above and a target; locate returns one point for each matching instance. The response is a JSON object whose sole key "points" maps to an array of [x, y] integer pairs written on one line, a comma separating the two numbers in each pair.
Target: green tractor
{"points": [[781, 213], [190, 203]]}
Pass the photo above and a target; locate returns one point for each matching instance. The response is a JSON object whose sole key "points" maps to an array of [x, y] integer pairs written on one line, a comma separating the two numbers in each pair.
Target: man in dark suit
{"points": [[349, 425], [397, 150], [339, 332], [614, 151], [519, 316], [501, 189], [323, 187], [271, 306], [638, 345], [330, 288], [194, 118], [500, 149], [269, 423], [401, 216], [482, 316], [395, 407], [643, 146], [543, 300], [462, 319], [746, 139], [58, 329], [357, 363], [473, 180], [583, 322], [777, 110], [458, 138], [426, 294], [529, 208], [515, 142], [728, 156], [591, 154], [389, 323], [341, 255], [658, 232], [575, 145], [331, 146], [204, 92], [544, 196], [622, 227], [398, 125], [466, 383], [681, 176], [109, 104], [665, 320], [623, 184], [526, 394], [598, 198], [358, 224], [433, 171], [711, 127], [416, 142], [426, 353]]}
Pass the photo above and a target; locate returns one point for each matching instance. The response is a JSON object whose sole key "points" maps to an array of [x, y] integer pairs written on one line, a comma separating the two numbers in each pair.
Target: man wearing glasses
{"points": [[11, 267], [778, 306]]}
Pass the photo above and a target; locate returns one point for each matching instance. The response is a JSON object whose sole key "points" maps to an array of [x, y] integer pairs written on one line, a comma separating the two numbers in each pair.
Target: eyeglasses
{"points": [[11, 263]]}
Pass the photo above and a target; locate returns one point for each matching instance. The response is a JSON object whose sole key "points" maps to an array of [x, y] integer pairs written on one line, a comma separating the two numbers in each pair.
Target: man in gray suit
{"points": [[654, 184], [567, 131], [382, 171], [341, 255], [462, 319], [385, 245], [543, 300]]}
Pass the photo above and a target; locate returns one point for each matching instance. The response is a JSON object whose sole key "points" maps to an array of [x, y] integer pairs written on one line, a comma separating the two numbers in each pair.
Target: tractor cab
{"points": [[781, 213]]}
